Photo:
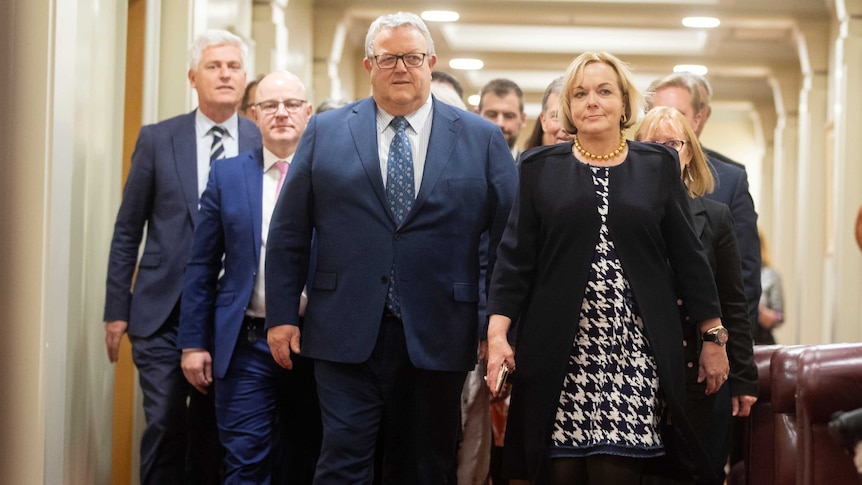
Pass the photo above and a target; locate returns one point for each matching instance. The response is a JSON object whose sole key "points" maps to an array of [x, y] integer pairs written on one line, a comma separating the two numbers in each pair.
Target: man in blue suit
{"points": [[168, 173], [222, 321], [398, 189]]}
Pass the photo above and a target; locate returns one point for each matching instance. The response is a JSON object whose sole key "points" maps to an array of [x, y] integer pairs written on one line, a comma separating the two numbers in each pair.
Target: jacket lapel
{"points": [[184, 144], [441, 145], [252, 166], [363, 130], [698, 214]]}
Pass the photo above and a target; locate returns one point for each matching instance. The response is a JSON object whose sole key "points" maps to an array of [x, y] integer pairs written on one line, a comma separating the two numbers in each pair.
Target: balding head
{"points": [[281, 111]]}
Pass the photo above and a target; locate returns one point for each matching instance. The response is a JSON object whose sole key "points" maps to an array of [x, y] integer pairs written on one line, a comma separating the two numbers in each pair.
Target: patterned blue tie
{"points": [[399, 193], [217, 150]]}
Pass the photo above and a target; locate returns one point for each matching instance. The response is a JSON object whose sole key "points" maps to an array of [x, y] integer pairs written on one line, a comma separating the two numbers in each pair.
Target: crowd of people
{"points": [[328, 295]]}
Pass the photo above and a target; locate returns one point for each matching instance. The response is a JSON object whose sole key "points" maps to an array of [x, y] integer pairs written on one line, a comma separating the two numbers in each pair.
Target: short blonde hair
{"points": [[632, 98], [696, 175]]}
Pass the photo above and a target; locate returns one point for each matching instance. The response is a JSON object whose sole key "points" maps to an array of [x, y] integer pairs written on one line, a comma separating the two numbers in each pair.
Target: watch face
{"points": [[721, 336], [717, 335]]}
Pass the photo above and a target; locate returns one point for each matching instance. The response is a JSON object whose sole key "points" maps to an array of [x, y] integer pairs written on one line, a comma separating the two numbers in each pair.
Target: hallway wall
{"points": [[60, 158]]}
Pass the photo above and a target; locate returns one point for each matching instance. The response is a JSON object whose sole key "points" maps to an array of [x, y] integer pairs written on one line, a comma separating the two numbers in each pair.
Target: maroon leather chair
{"points": [[829, 380], [759, 427], [783, 377]]}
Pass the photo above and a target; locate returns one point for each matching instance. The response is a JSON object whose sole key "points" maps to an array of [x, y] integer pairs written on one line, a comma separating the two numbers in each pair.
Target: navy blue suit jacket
{"points": [[229, 225], [335, 188], [161, 195], [731, 189]]}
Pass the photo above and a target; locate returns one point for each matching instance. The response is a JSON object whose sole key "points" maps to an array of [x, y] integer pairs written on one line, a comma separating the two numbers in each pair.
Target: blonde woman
{"points": [[710, 413], [595, 246]]}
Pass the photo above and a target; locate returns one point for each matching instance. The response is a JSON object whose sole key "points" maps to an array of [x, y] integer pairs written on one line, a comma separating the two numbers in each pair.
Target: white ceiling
{"points": [[531, 41]]}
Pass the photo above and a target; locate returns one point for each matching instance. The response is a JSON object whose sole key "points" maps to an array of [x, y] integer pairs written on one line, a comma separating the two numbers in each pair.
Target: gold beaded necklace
{"points": [[602, 157]]}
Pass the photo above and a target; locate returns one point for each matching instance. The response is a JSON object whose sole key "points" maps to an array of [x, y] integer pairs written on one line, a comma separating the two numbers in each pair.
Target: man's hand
{"points": [[742, 405], [114, 331], [197, 366], [282, 340]]}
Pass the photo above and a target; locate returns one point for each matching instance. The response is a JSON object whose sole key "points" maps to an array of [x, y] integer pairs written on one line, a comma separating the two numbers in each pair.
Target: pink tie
{"points": [[282, 167]]}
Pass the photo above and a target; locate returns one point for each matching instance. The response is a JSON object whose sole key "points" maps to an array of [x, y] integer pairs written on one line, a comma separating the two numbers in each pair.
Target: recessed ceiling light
{"points": [[464, 64], [440, 16], [701, 22], [695, 68]]}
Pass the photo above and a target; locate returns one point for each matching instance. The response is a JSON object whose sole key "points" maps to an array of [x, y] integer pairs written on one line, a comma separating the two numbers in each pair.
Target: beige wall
{"points": [[22, 140], [60, 151]]}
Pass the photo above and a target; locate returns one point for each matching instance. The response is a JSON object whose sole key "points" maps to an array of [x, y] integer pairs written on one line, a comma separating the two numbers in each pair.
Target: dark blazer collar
{"points": [[362, 123], [184, 150], [252, 162], [698, 214], [445, 128]]}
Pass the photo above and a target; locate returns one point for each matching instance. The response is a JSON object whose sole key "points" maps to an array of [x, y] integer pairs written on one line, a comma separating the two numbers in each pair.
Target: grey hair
{"points": [[214, 37], [681, 80], [393, 20], [556, 86]]}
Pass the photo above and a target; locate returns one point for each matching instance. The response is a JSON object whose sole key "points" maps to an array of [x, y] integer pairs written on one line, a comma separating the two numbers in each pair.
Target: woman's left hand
{"points": [[714, 367]]}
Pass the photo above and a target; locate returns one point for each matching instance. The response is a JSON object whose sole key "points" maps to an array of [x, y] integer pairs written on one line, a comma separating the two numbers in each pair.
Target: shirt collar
{"points": [[270, 158], [416, 119], [203, 125]]}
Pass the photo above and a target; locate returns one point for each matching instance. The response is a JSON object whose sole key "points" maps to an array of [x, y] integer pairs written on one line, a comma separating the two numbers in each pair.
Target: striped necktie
{"points": [[217, 150]]}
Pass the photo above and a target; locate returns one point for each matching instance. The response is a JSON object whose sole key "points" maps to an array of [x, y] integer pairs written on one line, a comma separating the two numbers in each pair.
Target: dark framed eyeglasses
{"points": [[271, 106], [675, 144], [389, 61]]}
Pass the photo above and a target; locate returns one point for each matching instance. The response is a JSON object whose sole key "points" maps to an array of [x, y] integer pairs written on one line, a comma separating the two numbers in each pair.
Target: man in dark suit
{"points": [[168, 173], [682, 91], [397, 209], [222, 320]]}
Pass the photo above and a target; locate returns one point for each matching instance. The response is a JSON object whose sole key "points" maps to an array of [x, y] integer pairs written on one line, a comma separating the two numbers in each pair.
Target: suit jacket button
{"points": [[384, 280], [397, 237]]}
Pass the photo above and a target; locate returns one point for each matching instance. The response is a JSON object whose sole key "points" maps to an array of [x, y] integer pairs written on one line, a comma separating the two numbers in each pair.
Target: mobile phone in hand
{"points": [[501, 377]]}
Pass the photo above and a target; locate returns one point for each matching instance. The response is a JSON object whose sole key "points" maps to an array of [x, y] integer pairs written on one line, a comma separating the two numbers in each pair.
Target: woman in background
{"points": [[714, 225], [548, 130], [771, 311]]}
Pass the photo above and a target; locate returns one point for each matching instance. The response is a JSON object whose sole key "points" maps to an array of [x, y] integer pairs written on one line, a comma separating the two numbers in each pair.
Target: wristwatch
{"points": [[716, 335]]}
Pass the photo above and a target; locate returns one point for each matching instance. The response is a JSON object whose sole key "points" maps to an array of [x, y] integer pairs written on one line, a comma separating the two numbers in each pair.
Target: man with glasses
{"points": [[168, 173], [222, 320], [397, 189]]}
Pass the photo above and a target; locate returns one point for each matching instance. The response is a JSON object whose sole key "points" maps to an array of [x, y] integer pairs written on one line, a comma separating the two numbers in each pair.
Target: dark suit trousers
{"points": [[180, 441], [418, 412], [708, 415], [268, 417]]}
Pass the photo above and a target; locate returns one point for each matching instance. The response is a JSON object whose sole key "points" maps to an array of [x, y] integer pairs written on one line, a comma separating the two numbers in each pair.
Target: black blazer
{"points": [[714, 225], [543, 266]]}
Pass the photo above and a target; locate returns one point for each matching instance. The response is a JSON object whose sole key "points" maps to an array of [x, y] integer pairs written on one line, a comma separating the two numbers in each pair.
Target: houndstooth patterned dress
{"points": [[609, 401]]}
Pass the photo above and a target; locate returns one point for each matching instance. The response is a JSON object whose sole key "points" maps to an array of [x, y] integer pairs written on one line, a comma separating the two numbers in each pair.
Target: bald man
{"points": [[222, 333]]}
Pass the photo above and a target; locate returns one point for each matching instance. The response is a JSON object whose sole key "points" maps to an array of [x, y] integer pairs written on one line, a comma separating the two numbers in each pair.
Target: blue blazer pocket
{"points": [[152, 260], [465, 292], [225, 299], [324, 281]]}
